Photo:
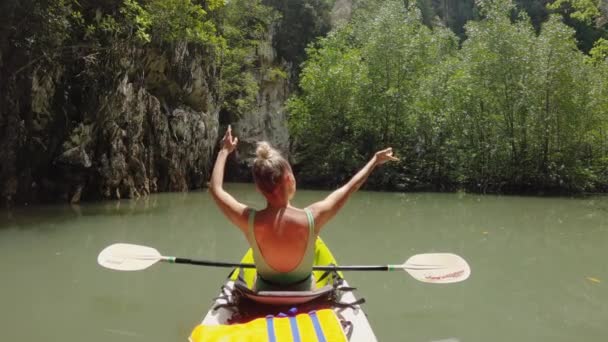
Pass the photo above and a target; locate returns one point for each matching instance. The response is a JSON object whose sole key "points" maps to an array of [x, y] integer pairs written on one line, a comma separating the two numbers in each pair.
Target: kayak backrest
{"points": [[282, 297], [323, 256]]}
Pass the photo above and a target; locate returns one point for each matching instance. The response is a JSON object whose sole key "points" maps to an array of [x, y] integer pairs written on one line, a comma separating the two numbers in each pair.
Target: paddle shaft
{"points": [[316, 268]]}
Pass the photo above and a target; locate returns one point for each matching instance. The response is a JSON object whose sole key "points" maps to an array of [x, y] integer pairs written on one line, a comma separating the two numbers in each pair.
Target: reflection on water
{"points": [[538, 266]]}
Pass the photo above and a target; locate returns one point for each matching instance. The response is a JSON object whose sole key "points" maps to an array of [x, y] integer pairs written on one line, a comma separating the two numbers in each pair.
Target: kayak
{"points": [[240, 310], [327, 312]]}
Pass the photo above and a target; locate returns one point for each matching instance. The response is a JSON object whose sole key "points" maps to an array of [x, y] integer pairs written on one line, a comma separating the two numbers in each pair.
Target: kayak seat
{"points": [[282, 297]]}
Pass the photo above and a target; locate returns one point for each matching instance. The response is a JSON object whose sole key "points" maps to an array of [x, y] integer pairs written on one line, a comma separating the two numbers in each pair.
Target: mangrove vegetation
{"points": [[505, 106], [123, 98]]}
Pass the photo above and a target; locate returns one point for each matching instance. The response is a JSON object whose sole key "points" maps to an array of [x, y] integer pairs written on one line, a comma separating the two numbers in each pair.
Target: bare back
{"points": [[282, 236]]}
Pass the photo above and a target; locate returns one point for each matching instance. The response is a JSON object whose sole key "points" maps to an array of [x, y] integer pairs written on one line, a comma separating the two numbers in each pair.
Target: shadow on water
{"points": [[54, 215]]}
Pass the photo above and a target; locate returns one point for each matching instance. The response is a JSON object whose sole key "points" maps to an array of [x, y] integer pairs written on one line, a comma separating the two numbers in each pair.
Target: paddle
{"points": [[439, 268]]}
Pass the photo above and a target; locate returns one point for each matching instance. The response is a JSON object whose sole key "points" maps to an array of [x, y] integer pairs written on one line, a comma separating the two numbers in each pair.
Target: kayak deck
{"points": [[360, 329]]}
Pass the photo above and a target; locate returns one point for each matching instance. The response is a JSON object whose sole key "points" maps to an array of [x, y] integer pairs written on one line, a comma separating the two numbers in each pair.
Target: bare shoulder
{"points": [[322, 211], [296, 216]]}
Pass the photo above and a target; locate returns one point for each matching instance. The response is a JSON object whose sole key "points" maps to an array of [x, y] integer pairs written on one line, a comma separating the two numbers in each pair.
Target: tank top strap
{"points": [[251, 221], [309, 254], [257, 255], [311, 226]]}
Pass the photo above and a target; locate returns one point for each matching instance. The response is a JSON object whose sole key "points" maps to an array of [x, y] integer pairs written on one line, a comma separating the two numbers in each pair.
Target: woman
{"points": [[281, 236]]}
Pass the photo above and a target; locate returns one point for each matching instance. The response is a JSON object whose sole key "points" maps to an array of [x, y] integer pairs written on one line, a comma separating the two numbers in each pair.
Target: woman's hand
{"points": [[384, 156], [228, 142]]}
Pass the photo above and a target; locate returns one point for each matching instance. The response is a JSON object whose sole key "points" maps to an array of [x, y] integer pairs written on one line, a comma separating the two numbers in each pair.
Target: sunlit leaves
{"points": [[330, 106], [180, 20], [509, 109], [244, 25], [599, 52], [359, 86], [139, 18], [582, 10]]}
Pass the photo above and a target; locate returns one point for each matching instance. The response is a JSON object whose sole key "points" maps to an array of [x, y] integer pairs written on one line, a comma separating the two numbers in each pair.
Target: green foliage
{"points": [[358, 87], [180, 20], [599, 53], [301, 22], [245, 25], [582, 10], [276, 73], [509, 109], [51, 25], [332, 82], [100, 40], [155, 22], [138, 20], [586, 17], [450, 13]]}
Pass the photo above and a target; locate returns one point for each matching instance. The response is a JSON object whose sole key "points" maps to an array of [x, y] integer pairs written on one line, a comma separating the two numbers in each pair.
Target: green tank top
{"points": [[270, 279]]}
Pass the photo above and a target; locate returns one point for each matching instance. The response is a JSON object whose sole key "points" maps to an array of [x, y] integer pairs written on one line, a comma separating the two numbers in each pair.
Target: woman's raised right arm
{"points": [[324, 210], [234, 210]]}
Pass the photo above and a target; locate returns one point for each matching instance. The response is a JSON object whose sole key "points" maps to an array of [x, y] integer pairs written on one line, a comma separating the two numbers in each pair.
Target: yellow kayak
{"points": [[340, 319]]}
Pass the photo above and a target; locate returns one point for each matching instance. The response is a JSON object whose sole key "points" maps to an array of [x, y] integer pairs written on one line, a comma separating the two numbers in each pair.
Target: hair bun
{"points": [[268, 167], [263, 151]]}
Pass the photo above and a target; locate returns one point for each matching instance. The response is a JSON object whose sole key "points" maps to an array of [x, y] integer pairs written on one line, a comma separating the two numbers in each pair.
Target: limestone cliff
{"points": [[268, 119], [125, 136], [111, 100]]}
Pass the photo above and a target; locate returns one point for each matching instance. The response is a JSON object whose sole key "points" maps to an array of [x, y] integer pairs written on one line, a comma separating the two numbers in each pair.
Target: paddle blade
{"points": [[437, 268], [128, 257]]}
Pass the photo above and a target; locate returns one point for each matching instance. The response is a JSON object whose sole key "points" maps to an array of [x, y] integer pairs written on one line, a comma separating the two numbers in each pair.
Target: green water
{"points": [[539, 266]]}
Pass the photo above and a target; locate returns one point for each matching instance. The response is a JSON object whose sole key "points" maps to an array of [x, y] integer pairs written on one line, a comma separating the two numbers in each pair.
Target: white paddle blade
{"points": [[128, 257], [437, 268]]}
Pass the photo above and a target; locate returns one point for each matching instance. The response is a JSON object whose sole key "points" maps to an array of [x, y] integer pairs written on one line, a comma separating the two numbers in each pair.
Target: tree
{"points": [[515, 107]]}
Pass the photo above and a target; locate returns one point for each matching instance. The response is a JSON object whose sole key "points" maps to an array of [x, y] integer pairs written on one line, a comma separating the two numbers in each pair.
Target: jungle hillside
{"points": [[486, 96], [122, 98]]}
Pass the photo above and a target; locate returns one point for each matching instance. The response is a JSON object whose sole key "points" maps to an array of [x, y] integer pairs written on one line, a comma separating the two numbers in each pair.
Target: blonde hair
{"points": [[269, 167]]}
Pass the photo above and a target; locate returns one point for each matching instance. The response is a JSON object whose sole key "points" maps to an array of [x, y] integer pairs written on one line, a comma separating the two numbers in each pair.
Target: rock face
{"points": [[268, 120], [125, 138], [148, 147], [78, 124]]}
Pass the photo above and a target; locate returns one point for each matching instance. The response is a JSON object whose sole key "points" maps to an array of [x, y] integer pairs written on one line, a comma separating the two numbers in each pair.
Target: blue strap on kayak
{"points": [[317, 325], [295, 332], [270, 328]]}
